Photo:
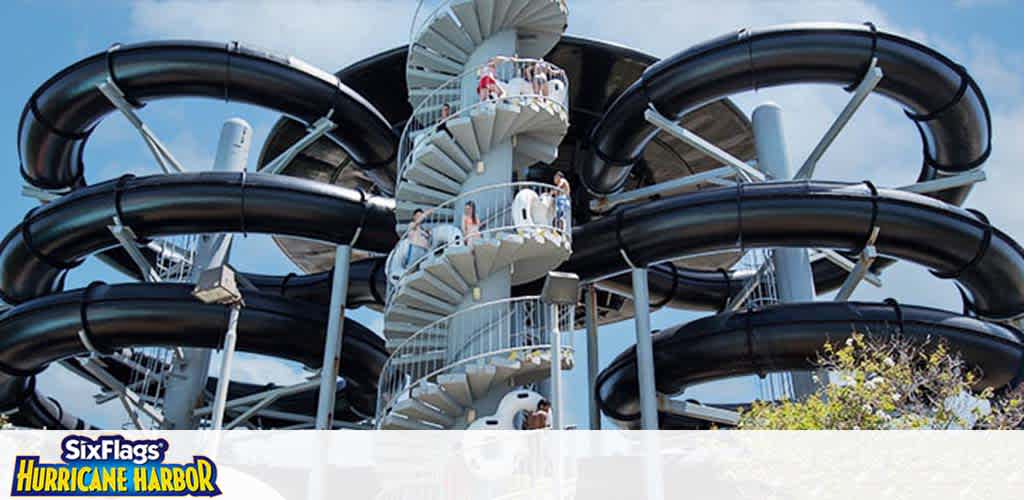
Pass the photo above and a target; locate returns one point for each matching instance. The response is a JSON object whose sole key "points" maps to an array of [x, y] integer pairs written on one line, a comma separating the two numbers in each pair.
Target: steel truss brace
{"points": [[260, 399], [126, 237], [163, 156], [313, 133], [846, 264], [863, 90], [743, 171], [719, 176], [748, 287], [866, 257]]}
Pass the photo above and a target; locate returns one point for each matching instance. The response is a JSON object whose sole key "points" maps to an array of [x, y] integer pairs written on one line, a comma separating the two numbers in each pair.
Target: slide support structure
{"points": [[220, 397], [792, 265], [644, 351], [332, 346], [590, 304]]}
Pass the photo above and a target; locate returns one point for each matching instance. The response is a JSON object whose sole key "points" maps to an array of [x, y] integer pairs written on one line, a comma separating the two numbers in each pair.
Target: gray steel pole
{"points": [[644, 351], [220, 398], [556, 368], [793, 276], [590, 306], [332, 345], [187, 380]]}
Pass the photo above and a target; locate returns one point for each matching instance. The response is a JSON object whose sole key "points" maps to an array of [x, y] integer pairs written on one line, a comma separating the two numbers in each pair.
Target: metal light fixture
{"points": [[217, 285], [560, 288]]}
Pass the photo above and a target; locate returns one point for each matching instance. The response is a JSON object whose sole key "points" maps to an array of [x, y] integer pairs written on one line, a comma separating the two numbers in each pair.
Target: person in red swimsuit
{"points": [[487, 87]]}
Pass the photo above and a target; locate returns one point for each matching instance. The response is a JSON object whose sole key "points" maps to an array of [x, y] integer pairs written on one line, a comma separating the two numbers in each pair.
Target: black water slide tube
{"points": [[941, 98], [954, 243], [63, 112], [56, 236], [787, 337], [143, 314]]}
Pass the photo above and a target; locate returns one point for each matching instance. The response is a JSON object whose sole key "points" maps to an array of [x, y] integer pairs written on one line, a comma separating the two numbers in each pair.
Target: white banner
{"points": [[351, 465]]}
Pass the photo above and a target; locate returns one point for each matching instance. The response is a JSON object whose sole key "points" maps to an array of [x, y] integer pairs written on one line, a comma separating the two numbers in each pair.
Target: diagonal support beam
{"points": [[943, 183], [860, 269], [864, 88], [748, 287], [319, 128], [846, 264], [746, 172], [609, 202], [126, 237], [163, 156]]}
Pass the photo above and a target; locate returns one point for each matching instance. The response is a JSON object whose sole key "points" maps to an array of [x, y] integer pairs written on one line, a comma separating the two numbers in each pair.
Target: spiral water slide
{"points": [[45, 323], [950, 112]]}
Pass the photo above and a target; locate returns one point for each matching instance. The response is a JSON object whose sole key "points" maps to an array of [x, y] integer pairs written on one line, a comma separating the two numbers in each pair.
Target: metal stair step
{"points": [[434, 158], [435, 396], [463, 133], [461, 258], [416, 193], [457, 386], [480, 377], [444, 271], [484, 252], [447, 27], [436, 41], [447, 145], [430, 284], [430, 60], [483, 124], [418, 410], [396, 422], [465, 11]]}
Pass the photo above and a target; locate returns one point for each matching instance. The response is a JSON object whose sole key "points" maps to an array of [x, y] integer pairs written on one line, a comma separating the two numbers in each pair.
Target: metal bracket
{"points": [[163, 156], [744, 171], [43, 195], [126, 237], [313, 133], [860, 269], [698, 411], [864, 88], [942, 183]]}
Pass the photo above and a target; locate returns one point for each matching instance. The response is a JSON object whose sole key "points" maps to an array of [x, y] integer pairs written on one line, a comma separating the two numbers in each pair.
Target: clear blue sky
{"points": [[44, 37]]}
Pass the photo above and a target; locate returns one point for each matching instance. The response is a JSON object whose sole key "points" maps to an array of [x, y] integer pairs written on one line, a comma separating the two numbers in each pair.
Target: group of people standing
{"points": [[419, 236], [537, 74]]}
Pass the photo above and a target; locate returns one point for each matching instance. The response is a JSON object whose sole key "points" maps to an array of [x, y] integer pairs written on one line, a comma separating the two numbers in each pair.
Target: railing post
{"points": [[556, 368]]}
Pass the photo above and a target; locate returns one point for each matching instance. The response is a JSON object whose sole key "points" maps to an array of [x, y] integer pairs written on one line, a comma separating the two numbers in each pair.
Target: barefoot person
{"points": [[562, 203], [419, 238], [540, 419]]}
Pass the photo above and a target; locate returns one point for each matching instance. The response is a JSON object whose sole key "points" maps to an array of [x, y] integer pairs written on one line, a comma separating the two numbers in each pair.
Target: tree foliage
{"points": [[882, 382]]}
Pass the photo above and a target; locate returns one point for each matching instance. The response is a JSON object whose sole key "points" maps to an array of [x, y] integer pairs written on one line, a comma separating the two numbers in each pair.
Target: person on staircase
{"points": [[487, 87], [562, 202], [470, 223], [541, 418], [419, 238]]}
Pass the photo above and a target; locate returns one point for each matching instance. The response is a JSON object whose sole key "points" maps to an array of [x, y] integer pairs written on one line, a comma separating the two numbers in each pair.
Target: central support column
{"points": [[474, 333], [187, 379], [793, 276]]}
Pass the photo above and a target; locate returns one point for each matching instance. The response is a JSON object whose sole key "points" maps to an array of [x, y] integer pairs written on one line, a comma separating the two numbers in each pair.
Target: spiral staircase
{"points": [[464, 354]]}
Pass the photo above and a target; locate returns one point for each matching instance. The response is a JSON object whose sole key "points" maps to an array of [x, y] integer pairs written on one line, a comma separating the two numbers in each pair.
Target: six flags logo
{"points": [[113, 466]]}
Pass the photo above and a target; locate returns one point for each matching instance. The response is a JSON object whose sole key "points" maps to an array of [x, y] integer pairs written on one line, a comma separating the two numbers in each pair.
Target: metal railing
{"points": [[449, 223], [515, 329], [429, 10], [517, 81]]}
